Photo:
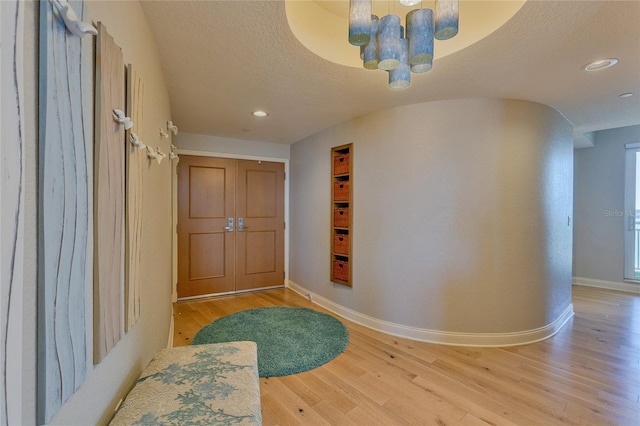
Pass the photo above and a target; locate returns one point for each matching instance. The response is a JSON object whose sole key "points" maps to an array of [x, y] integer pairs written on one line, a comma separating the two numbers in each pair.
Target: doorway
{"points": [[230, 225], [631, 213]]}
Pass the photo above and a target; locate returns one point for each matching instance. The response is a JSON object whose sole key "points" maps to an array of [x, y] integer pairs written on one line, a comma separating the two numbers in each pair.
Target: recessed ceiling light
{"points": [[259, 113], [601, 64], [626, 95]]}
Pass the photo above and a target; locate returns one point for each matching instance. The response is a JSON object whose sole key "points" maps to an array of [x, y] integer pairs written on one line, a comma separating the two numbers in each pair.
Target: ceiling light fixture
{"points": [[259, 113], [601, 64], [626, 95], [384, 43]]}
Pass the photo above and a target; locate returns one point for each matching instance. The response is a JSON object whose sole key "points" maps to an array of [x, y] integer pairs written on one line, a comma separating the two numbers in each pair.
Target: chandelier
{"points": [[385, 45]]}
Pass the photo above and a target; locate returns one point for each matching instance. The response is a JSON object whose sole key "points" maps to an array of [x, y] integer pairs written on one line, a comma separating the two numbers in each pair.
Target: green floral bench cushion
{"points": [[214, 384]]}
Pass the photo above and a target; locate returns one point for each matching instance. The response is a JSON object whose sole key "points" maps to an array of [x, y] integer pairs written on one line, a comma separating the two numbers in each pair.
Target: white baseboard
{"points": [[171, 326], [610, 285], [440, 337]]}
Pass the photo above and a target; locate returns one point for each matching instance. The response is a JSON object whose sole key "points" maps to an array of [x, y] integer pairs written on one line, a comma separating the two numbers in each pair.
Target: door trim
{"points": [[228, 293], [174, 212]]}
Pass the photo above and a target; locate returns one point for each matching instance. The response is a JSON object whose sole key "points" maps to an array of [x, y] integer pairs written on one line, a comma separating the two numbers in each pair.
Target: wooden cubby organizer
{"points": [[342, 213]]}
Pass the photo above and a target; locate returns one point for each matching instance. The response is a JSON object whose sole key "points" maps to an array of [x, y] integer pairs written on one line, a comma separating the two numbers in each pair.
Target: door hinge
{"points": [[285, 225], [177, 229], [285, 175]]}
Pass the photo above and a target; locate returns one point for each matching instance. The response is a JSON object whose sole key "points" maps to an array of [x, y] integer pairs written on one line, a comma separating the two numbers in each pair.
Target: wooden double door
{"points": [[230, 225]]}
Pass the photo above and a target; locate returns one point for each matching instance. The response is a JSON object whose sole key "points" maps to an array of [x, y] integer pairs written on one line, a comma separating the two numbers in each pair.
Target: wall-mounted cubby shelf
{"points": [[342, 209]]}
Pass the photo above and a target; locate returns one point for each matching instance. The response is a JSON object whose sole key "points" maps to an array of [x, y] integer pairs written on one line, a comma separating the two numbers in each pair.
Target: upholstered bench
{"points": [[201, 384]]}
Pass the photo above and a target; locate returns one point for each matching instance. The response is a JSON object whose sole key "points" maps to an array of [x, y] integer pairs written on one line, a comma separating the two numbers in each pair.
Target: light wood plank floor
{"points": [[589, 373]]}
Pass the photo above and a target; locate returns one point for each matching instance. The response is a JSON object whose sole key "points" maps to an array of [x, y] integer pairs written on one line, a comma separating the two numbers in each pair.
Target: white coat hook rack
{"points": [[160, 155], [151, 153], [172, 127], [71, 21], [172, 153], [119, 116], [135, 141]]}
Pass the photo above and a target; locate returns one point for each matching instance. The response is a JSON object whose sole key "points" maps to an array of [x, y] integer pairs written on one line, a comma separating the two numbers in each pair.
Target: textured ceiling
{"points": [[224, 59]]}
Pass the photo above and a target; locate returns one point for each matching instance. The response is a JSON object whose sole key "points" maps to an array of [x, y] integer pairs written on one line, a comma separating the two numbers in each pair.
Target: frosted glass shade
{"points": [[446, 19], [389, 42], [370, 50], [409, 3], [420, 34], [400, 77], [359, 22], [420, 68]]}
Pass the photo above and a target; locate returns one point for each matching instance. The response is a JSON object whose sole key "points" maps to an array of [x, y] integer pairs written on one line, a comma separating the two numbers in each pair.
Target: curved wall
{"points": [[460, 220]]}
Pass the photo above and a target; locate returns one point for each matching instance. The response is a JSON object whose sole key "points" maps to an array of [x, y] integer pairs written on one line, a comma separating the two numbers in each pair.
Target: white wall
{"points": [[460, 215], [221, 145], [598, 188], [109, 381]]}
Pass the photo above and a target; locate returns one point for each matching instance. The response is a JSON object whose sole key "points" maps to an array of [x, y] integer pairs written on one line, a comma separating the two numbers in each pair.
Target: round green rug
{"points": [[290, 340]]}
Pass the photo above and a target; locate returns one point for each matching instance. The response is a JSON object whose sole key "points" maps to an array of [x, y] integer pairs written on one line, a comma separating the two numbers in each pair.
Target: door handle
{"points": [[229, 227], [241, 226]]}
